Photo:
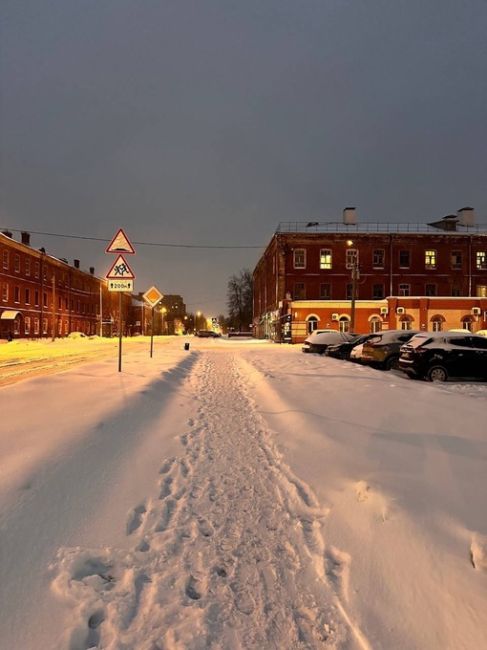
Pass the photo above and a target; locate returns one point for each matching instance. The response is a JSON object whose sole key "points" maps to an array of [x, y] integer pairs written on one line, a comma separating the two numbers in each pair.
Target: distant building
{"points": [[413, 276], [42, 295]]}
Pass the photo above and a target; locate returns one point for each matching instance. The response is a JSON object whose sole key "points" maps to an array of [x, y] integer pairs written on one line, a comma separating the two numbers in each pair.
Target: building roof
{"points": [[369, 227]]}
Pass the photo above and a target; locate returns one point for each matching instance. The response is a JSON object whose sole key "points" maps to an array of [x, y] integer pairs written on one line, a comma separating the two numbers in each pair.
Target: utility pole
{"points": [[101, 309], [354, 293]]}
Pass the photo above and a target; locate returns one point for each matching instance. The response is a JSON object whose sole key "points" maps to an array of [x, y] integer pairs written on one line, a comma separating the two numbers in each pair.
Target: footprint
{"points": [[168, 511], [166, 487], [193, 588], [135, 518], [205, 528], [143, 546], [166, 466]]}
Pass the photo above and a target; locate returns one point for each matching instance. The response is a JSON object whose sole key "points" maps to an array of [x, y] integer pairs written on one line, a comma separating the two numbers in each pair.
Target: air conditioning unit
{"points": [[335, 317], [384, 311], [476, 311], [400, 310]]}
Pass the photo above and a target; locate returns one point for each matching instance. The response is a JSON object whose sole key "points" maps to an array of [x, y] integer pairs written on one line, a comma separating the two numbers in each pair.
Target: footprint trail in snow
{"points": [[228, 554]]}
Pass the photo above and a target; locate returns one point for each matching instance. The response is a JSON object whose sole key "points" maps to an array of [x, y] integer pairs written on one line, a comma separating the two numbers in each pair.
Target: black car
{"points": [[442, 355], [342, 350]]}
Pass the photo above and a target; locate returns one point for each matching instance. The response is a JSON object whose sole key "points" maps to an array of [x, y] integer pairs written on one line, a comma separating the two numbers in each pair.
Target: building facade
{"points": [[309, 273], [41, 295]]}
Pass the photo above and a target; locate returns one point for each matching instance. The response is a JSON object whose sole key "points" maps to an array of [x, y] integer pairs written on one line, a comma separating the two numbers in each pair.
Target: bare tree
{"points": [[239, 300]]}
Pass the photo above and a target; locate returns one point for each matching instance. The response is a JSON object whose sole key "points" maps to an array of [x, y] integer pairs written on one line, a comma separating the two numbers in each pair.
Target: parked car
{"points": [[356, 353], [319, 341], [440, 355], [208, 334], [344, 349], [383, 349]]}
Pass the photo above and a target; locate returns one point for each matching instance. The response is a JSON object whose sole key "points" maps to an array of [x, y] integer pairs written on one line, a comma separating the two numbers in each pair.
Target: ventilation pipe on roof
{"points": [[466, 216], [92, 270], [76, 264], [25, 238], [7, 233]]}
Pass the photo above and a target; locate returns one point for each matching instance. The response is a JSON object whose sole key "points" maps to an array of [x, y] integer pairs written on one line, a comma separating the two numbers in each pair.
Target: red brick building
{"points": [[41, 295], [305, 278]]}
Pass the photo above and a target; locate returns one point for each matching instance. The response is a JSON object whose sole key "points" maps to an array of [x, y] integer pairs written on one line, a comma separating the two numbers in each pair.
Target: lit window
{"points": [[299, 258], [351, 258], [404, 289], [482, 291], [326, 259], [456, 259], [430, 259], [481, 259], [378, 258]]}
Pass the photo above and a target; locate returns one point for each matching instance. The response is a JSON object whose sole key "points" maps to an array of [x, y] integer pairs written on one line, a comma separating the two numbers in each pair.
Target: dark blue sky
{"points": [[209, 122]]}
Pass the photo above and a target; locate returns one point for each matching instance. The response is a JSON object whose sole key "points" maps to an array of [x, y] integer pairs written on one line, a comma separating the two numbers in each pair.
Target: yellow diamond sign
{"points": [[152, 296]]}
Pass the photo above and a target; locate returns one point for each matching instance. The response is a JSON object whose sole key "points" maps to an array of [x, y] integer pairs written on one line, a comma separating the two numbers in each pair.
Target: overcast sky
{"points": [[208, 122]]}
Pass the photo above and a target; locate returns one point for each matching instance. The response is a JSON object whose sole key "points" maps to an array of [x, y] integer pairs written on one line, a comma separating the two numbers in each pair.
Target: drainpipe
{"points": [[390, 265], [470, 266]]}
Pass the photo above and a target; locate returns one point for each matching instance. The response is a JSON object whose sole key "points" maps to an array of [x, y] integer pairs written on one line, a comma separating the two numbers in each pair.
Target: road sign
{"points": [[120, 270], [120, 244], [153, 296], [120, 285]]}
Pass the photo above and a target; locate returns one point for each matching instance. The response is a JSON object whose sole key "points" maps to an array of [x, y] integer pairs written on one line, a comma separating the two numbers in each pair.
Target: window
{"points": [[467, 323], [5, 260], [36, 269], [437, 323], [27, 266], [344, 324], [27, 296], [66, 327], [17, 263], [59, 302], [406, 323], [16, 294], [378, 258], [44, 325], [456, 259], [456, 292], [60, 327], [299, 257], [299, 291], [404, 289], [404, 259], [44, 273], [481, 260], [36, 327], [5, 292], [312, 324], [430, 259], [326, 259], [430, 290], [377, 291], [16, 326], [36, 298], [325, 291], [44, 299], [375, 324], [349, 291], [27, 325], [351, 258], [481, 291]]}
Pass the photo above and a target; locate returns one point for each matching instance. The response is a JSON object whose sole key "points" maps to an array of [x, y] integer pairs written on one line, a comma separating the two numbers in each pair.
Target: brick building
{"points": [[41, 295], [309, 273]]}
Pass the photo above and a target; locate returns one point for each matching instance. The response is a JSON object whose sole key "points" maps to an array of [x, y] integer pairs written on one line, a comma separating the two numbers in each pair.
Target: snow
{"points": [[241, 495]]}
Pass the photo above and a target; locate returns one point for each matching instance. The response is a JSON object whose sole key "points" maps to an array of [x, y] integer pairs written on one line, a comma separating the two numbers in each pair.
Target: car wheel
{"points": [[391, 362], [437, 373]]}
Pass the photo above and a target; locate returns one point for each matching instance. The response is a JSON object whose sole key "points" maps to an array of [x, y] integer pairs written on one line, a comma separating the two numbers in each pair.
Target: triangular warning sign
{"points": [[120, 244], [120, 270]]}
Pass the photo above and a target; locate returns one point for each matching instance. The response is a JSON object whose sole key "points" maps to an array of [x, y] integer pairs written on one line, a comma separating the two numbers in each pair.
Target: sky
{"points": [[208, 122]]}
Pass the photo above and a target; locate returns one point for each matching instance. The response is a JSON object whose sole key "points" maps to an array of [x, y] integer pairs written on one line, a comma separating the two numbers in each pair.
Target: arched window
{"points": [[406, 322], [312, 323], [344, 323], [375, 323], [467, 323], [437, 322]]}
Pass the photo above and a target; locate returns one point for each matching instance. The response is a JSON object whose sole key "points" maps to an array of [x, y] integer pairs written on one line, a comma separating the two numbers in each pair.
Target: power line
{"points": [[138, 243]]}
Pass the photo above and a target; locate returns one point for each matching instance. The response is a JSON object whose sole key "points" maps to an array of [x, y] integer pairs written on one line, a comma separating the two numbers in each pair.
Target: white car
{"points": [[319, 340]]}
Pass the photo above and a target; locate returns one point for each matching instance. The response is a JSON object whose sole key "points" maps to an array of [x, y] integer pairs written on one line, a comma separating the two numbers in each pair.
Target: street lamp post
{"points": [[355, 275]]}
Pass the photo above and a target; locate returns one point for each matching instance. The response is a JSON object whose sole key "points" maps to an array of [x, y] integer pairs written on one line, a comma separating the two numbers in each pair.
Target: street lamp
{"points": [[198, 314], [355, 276]]}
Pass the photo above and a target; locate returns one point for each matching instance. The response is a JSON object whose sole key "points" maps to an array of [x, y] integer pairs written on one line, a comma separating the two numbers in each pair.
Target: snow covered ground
{"points": [[241, 495]]}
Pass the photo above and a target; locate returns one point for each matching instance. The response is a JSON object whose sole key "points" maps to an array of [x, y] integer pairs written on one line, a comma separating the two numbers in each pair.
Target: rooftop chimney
{"points": [[43, 250], [25, 238], [350, 216], [76, 264], [92, 270], [448, 223], [466, 216], [7, 233]]}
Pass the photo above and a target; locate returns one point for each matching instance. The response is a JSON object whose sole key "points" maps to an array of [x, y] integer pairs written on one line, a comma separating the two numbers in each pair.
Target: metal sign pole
{"points": [[152, 333], [120, 332]]}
